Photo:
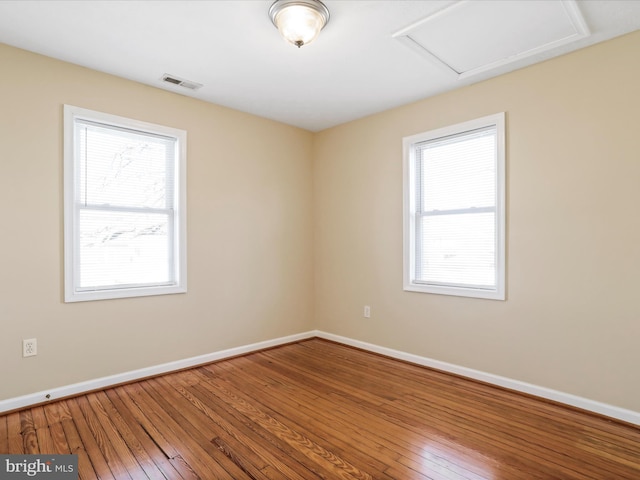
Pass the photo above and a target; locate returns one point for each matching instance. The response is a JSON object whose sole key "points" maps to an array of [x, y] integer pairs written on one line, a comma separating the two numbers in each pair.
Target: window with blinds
{"points": [[124, 207], [454, 210]]}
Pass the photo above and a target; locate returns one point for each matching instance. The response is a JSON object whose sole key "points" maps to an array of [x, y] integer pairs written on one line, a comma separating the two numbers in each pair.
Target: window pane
{"points": [[121, 248], [458, 172], [124, 168], [125, 207], [454, 212], [458, 250]]}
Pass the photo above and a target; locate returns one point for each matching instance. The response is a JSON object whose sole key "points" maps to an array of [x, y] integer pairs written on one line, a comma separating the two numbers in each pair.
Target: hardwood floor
{"points": [[316, 409]]}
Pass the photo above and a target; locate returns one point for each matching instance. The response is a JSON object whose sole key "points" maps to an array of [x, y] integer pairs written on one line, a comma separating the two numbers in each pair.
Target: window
{"points": [[125, 207], [454, 213]]}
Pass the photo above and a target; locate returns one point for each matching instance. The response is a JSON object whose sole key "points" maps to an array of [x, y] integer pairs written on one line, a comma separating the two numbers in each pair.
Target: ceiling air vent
{"points": [[181, 82]]}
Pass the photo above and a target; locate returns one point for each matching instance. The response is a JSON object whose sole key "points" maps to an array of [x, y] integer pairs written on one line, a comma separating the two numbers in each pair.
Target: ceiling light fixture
{"points": [[299, 21]]}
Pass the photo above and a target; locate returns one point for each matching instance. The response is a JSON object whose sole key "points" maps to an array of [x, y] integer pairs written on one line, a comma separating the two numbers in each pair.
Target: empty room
{"points": [[235, 244]]}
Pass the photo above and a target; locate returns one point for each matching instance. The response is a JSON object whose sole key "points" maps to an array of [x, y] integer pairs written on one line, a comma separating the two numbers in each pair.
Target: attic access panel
{"points": [[471, 37]]}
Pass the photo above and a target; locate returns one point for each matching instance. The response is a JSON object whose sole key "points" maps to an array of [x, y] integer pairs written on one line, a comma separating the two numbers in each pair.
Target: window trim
{"points": [[72, 293], [409, 209]]}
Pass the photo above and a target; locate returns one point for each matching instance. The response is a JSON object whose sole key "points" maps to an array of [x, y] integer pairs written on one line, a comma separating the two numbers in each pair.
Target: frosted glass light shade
{"points": [[299, 21]]}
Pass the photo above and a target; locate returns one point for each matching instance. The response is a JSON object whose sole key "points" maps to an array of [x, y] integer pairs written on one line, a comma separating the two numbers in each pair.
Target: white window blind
{"points": [[455, 189], [124, 209]]}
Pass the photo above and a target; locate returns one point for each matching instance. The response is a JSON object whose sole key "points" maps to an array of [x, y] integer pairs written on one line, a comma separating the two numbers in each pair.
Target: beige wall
{"points": [[249, 232], [572, 318], [571, 321]]}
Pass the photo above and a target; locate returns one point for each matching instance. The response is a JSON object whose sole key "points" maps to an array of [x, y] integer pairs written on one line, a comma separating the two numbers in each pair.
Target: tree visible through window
{"points": [[124, 207]]}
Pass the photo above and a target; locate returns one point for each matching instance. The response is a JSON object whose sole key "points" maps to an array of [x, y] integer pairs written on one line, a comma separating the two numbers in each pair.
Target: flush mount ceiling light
{"points": [[299, 21]]}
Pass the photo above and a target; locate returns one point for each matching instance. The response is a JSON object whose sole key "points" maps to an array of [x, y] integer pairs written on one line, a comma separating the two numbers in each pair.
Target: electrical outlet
{"points": [[29, 347], [367, 311]]}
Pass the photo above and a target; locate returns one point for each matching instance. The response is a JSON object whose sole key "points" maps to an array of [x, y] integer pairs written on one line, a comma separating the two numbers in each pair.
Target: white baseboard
{"points": [[104, 382], [607, 410], [611, 411]]}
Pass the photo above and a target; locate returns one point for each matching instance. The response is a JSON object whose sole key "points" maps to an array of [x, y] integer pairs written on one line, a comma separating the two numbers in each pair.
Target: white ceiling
{"points": [[372, 56]]}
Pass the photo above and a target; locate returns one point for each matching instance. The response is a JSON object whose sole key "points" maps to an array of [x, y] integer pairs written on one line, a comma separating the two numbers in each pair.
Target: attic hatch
{"points": [[181, 82], [467, 38]]}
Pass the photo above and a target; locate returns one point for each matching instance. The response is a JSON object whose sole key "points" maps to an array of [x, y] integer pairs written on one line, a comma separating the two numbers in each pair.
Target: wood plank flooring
{"points": [[316, 409]]}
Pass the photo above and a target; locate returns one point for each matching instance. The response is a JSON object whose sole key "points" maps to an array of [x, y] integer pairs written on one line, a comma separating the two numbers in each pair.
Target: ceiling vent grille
{"points": [[181, 82]]}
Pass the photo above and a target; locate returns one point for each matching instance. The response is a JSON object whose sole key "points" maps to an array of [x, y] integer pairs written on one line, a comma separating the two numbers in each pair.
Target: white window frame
{"points": [[72, 292], [410, 210]]}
